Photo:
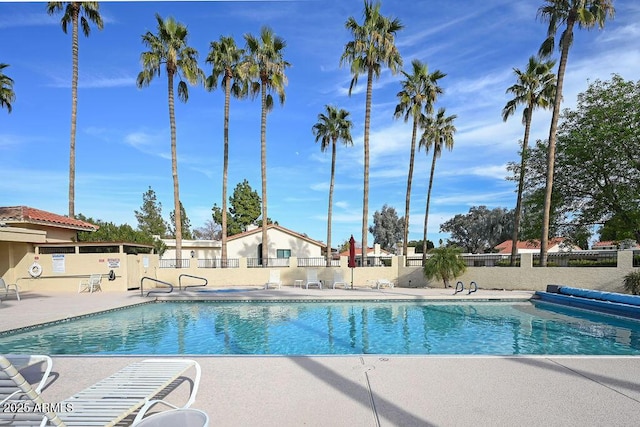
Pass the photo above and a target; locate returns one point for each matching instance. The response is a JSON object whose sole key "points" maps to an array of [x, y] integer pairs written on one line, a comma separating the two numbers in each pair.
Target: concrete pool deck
{"points": [[367, 390]]}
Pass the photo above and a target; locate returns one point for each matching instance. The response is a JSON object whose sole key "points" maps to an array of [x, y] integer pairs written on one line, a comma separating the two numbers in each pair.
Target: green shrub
{"points": [[632, 283], [592, 263]]}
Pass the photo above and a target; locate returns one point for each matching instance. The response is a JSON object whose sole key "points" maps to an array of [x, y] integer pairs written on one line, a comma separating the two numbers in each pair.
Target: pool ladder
{"points": [[473, 287], [166, 290], [192, 277]]}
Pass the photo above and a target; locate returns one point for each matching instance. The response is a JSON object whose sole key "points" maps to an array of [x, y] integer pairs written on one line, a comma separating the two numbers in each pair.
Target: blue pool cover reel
{"points": [[604, 302], [600, 295]]}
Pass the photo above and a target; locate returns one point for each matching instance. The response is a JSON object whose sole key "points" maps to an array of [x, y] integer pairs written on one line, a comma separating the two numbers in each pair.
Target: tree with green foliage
{"points": [[598, 150], [186, 224], [226, 59], [373, 46], [333, 126], [150, 215], [169, 48], [585, 14], [561, 223], [77, 14], [535, 88], [438, 134], [632, 282], [124, 233], [244, 209], [419, 245], [444, 264], [387, 228], [419, 92], [265, 67], [480, 230], [7, 95], [597, 179]]}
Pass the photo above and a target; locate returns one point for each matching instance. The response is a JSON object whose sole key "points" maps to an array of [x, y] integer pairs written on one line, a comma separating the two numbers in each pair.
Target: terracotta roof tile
{"points": [[28, 215], [505, 247]]}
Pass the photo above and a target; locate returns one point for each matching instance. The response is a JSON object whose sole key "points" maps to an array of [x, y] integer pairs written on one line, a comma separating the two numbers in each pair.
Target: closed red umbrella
{"points": [[352, 252], [352, 256]]}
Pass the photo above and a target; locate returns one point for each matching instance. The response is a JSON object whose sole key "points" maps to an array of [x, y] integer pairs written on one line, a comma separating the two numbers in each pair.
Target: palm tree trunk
{"points": [[365, 198], [74, 112], [407, 201], [523, 164], [551, 155], [333, 173], [225, 169], [174, 172], [263, 161], [426, 213]]}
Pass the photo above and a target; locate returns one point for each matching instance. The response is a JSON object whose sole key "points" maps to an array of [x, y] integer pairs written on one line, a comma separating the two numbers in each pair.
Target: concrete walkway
{"points": [[368, 390]]}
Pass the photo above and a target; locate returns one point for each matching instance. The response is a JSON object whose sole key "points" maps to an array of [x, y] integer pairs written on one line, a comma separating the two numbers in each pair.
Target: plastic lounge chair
{"points": [[312, 278], [114, 398], [380, 283], [274, 279], [91, 284], [4, 288], [18, 398], [338, 279]]}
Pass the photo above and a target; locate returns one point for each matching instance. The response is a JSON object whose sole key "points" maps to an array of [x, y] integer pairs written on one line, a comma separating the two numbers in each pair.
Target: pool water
{"points": [[437, 328]]}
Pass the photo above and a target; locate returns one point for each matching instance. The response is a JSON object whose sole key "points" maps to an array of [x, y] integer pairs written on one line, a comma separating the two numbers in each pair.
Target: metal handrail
{"points": [[193, 277], [155, 290]]}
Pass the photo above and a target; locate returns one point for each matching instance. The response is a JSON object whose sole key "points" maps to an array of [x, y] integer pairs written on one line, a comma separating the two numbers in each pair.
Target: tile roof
{"points": [[505, 247], [605, 243], [27, 215]]}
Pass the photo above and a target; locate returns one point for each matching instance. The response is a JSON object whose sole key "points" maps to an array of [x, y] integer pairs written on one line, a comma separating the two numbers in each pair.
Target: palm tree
{"points": [[265, 67], [419, 92], [535, 88], [225, 58], [169, 47], [586, 14], [75, 13], [7, 95], [331, 127], [373, 46], [444, 264], [438, 133]]}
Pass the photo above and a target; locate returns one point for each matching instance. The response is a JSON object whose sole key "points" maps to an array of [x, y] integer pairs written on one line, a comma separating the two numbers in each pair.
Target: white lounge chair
{"points": [[274, 279], [381, 283], [4, 288], [338, 279], [312, 278], [110, 400], [93, 283], [18, 398]]}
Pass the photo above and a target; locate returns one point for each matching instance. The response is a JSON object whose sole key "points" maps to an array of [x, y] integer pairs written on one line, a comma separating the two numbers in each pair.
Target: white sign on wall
{"points": [[58, 263]]}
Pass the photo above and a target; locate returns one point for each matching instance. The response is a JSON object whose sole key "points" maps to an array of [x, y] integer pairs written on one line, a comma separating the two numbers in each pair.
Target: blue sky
{"points": [[123, 142]]}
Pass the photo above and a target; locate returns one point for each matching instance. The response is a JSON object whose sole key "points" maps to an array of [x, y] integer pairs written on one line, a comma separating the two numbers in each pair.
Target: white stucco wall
{"points": [[247, 246], [203, 249]]}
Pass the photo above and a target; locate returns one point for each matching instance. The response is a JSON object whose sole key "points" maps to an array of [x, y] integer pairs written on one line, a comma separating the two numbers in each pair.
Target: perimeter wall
{"points": [[63, 273]]}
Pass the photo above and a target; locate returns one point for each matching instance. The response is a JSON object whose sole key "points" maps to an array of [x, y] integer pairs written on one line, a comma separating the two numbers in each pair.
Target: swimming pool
{"points": [[314, 328]]}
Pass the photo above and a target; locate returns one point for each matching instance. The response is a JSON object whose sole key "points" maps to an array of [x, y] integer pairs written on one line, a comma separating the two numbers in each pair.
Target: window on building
{"points": [[283, 253]]}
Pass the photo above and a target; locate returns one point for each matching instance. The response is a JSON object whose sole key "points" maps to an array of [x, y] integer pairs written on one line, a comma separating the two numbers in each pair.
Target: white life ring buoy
{"points": [[35, 270]]}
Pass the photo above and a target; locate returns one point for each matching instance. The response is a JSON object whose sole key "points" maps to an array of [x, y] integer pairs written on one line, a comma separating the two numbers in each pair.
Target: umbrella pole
{"points": [[351, 278]]}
